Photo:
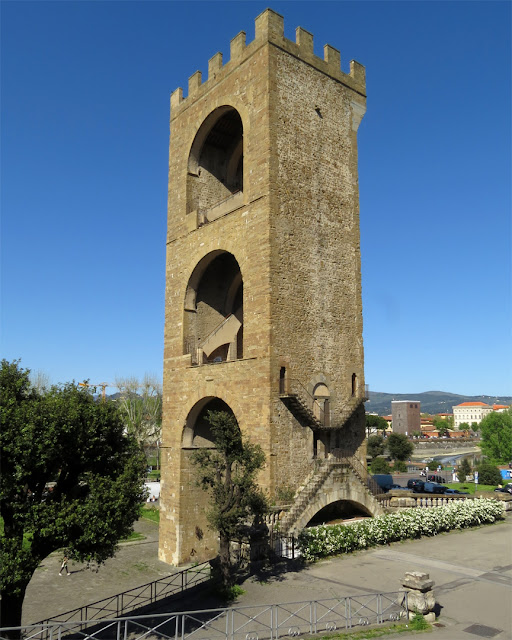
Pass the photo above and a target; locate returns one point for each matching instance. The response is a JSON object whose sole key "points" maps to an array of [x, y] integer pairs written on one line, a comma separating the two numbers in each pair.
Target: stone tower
{"points": [[263, 296]]}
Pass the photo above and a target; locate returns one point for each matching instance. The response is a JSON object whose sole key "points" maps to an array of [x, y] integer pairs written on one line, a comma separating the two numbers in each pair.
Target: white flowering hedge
{"points": [[326, 540]]}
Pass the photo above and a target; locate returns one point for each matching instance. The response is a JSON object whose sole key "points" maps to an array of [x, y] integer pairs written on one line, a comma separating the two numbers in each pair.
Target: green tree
{"points": [[400, 465], [140, 404], [464, 426], [488, 474], [228, 472], [399, 446], [464, 469], [441, 425], [379, 465], [374, 423], [375, 446], [496, 436], [65, 438]]}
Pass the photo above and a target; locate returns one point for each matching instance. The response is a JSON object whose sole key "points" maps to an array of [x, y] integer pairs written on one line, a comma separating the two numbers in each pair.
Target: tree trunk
{"points": [[10, 613], [225, 561]]}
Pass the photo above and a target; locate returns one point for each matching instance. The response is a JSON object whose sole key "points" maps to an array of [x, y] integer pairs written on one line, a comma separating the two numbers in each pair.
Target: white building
{"points": [[470, 412]]}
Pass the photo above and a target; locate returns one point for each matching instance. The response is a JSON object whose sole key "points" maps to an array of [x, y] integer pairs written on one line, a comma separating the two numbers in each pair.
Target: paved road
{"points": [[472, 571]]}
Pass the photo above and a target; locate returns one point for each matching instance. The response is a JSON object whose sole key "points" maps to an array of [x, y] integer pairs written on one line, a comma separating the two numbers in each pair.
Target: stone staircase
{"points": [[305, 407], [300, 409], [317, 480], [306, 494]]}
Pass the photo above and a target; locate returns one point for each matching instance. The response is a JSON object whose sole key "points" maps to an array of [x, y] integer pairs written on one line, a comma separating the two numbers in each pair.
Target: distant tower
{"points": [[406, 415], [263, 299]]}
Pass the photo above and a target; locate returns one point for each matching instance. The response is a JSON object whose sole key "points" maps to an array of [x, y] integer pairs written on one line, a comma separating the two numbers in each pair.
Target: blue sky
{"points": [[85, 125]]}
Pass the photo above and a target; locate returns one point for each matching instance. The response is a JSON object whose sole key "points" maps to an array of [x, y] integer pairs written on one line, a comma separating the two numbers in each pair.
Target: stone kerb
{"points": [[269, 28]]}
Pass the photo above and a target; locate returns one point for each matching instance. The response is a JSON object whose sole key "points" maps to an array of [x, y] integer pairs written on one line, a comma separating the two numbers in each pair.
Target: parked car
{"points": [[506, 489], [433, 478], [395, 487], [384, 480], [433, 487], [453, 491], [415, 484]]}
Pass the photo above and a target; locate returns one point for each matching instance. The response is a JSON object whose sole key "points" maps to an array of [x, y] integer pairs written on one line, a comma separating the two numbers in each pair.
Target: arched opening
{"points": [[214, 310], [339, 512], [197, 431], [321, 404], [216, 165]]}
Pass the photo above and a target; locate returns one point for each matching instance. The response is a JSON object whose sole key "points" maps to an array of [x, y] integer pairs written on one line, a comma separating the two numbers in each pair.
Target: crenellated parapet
{"points": [[269, 28]]}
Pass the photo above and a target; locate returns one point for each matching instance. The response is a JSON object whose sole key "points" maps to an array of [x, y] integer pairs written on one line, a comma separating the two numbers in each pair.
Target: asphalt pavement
{"points": [[471, 569]]}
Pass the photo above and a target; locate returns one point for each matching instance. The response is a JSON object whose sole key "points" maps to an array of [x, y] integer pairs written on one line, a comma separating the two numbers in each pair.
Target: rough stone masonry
{"points": [[263, 312]]}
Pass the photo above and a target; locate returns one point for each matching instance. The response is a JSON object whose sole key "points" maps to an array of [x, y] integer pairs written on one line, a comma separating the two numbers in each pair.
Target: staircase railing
{"points": [[215, 331], [296, 388], [343, 455]]}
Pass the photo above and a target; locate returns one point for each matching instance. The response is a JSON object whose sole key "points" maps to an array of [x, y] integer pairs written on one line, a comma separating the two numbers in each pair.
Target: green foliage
{"points": [[379, 465], [400, 466], [399, 446], [418, 623], [327, 540], [496, 435], [375, 422], [285, 494], [229, 474], [470, 487], [66, 438], [464, 469], [442, 424], [375, 446], [464, 426], [150, 513], [489, 474], [231, 592], [140, 404]]}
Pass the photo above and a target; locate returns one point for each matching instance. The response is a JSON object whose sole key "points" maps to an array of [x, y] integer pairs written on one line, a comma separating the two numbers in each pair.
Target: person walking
{"points": [[64, 565]]}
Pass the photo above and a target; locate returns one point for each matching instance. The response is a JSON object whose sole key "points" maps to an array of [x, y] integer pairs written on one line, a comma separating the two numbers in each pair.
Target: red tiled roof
{"points": [[473, 404], [500, 406]]}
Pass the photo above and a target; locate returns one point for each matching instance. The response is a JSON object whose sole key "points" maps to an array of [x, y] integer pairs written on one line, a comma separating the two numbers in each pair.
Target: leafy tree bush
{"points": [[488, 474], [400, 465], [327, 540], [379, 465], [375, 423], [229, 474], [375, 446], [399, 446], [463, 470], [496, 435], [66, 438]]}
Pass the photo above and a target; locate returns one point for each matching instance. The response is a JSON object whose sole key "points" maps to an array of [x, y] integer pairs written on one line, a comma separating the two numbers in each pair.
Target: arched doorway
{"points": [[216, 163], [201, 541], [321, 404], [214, 310]]}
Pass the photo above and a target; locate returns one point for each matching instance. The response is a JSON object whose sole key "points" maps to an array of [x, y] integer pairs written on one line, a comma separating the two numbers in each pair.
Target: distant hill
{"points": [[431, 401]]}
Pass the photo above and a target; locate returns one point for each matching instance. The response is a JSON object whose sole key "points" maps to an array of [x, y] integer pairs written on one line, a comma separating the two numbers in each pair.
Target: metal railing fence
{"points": [[259, 622], [146, 594]]}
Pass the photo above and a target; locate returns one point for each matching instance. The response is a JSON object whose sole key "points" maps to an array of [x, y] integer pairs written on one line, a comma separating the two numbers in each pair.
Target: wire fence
{"points": [[259, 622], [142, 596]]}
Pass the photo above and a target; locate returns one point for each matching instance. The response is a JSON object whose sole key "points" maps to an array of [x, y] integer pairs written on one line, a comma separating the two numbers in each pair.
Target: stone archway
{"points": [[348, 487], [197, 540]]}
